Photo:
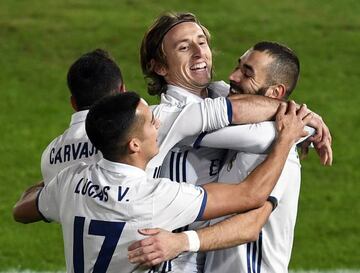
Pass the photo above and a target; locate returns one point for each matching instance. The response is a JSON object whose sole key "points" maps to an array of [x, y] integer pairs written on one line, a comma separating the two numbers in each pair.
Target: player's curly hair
{"points": [[151, 51]]}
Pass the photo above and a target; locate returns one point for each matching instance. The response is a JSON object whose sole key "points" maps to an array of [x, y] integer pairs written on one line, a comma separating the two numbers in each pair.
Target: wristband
{"points": [[273, 201], [194, 241]]}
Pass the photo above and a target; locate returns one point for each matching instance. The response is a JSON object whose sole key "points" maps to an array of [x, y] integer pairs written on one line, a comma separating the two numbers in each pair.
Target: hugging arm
{"points": [[163, 245], [25, 210]]}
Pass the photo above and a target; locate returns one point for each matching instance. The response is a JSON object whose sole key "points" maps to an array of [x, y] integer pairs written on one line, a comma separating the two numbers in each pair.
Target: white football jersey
{"points": [[271, 252], [183, 114], [71, 147], [74, 145], [196, 166], [102, 206]]}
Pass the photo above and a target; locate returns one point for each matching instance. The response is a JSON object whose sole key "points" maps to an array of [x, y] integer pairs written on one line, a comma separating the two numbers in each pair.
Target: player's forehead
{"points": [[255, 59], [144, 110], [183, 32]]}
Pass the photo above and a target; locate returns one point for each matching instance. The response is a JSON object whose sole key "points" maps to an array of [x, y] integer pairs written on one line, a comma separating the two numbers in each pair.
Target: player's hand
{"points": [[161, 246], [290, 122], [322, 140]]}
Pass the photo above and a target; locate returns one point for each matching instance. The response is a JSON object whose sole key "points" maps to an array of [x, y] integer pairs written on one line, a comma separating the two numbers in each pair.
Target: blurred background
{"points": [[39, 40]]}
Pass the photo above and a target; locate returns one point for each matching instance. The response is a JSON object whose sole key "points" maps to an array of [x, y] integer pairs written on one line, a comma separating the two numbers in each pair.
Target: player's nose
{"points": [[235, 76]]}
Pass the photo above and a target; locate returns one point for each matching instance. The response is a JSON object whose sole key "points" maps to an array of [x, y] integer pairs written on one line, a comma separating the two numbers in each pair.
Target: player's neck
{"points": [[202, 93], [135, 161]]}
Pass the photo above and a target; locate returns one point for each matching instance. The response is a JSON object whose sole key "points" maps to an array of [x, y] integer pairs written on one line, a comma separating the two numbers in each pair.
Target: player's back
{"points": [[71, 147], [101, 207]]}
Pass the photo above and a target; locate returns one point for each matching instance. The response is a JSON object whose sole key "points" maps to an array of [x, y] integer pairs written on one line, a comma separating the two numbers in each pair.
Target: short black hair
{"points": [[93, 76], [285, 68], [109, 122]]}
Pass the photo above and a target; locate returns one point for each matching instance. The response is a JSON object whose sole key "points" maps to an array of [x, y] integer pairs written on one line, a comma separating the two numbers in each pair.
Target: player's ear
{"points": [[159, 68], [277, 91], [73, 103], [134, 145]]}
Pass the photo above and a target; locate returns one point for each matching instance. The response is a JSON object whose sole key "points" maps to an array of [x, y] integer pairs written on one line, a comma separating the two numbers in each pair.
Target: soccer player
{"points": [[101, 206], [267, 69], [177, 60], [91, 77], [275, 70]]}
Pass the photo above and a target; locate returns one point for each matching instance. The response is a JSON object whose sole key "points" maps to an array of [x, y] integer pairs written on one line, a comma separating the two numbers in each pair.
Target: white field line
{"points": [[326, 271]]}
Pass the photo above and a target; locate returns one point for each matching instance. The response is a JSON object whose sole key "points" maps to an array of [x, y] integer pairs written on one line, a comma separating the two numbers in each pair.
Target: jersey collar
{"points": [[182, 94], [121, 168], [215, 89], [78, 117]]}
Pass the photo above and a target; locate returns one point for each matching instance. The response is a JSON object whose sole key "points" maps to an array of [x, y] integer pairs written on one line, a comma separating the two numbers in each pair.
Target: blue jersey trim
{"points": [[184, 166], [229, 110], [172, 166], [203, 205], [254, 256], [177, 171], [248, 251], [260, 253], [37, 206], [198, 140]]}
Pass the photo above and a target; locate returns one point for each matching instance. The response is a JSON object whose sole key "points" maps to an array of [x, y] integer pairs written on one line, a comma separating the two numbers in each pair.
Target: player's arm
{"points": [[25, 210], [163, 245], [252, 138], [253, 109], [194, 118], [223, 199]]}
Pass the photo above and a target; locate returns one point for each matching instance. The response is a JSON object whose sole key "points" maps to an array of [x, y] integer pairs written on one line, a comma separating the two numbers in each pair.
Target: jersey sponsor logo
{"points": [[215, 166], [72, 151], [87, 188]]}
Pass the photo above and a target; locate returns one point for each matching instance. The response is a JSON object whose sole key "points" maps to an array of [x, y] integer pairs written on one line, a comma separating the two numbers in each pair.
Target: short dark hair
{"points": [[110, 122], [152, 51], [93, 76], [285, 68]]}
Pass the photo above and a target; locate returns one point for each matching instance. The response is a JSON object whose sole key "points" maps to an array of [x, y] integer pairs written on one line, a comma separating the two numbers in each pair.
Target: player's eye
{"points": [[183, 47]]}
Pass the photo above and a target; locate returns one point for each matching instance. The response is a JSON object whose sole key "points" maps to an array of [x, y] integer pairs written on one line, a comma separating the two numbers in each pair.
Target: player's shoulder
{"points": [[70, 172], [167, 185], [218, 89]]}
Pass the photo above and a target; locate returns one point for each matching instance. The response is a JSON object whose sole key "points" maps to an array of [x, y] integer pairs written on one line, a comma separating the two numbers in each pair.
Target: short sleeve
{"points": [[178, 204], [48, 201]]}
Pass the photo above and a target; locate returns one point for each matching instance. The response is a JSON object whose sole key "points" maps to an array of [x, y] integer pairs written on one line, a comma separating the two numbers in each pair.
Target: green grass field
{"points": [[40, 39]]}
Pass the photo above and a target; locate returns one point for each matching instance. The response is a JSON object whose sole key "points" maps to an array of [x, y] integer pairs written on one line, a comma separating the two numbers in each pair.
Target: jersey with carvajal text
{"points": [[74, 146], [71, 147]]}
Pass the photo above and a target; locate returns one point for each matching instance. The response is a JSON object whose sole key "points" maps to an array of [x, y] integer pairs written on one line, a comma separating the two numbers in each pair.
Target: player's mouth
{"points": [[198, 67], [234, 89]]}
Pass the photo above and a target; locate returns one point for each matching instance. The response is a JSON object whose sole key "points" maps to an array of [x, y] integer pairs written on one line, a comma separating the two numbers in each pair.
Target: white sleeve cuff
{"points": [[194, 241], [214, 113]]}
